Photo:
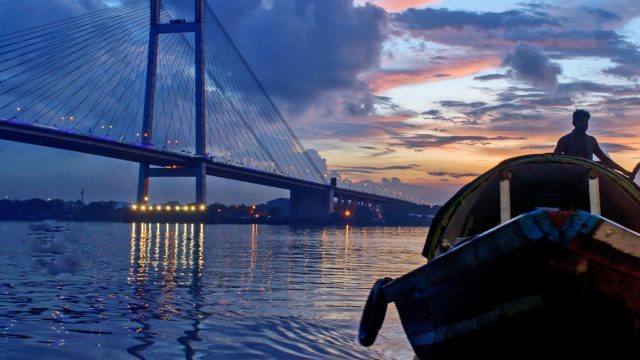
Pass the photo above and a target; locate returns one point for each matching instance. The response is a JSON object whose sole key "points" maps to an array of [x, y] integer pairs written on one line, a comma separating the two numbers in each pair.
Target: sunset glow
{"points": [[415, 95], [398, 5]]}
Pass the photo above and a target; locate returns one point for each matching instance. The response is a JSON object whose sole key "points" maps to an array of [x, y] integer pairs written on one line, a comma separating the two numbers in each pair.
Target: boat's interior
{"points": [[537, 185]]}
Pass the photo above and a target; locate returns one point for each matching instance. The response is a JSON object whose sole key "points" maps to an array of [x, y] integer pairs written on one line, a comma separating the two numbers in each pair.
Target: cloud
{"points": [[525, 109], [489, 77], [595, 43], [586, 87], [532, 66], [430, 113], [19, 15], [346, 130], [434, 141], [385, 80], [378, 152], [610, 147], [392, 110], [233, 13], [363, 103], [360, 104], [433, 191], [532, 110], [386, 151], [454, 175], [538, 147], [601, 15], [372, 169], [632, 101], [461, 104], [479, 112], [561, 31], [627, 71], [393, 181], [398, 5], [317, 160], [337, 125], [517, 103], [303, 49], [431, 19], [525, 115], [618, 134]]}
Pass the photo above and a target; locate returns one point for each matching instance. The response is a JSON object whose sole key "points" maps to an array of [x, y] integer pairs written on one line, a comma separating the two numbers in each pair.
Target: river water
{"points": [[156, 291]]}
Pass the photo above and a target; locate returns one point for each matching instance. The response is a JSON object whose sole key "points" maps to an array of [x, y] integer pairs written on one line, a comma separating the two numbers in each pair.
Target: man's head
{"points": [[581, 120]]}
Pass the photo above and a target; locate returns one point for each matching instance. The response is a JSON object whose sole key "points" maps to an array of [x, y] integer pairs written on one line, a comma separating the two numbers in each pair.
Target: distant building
{"points": [[279, 208]]}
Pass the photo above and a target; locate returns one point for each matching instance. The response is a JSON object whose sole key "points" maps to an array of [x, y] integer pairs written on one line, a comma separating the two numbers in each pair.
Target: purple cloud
{"points": [[302, 49], [430, 19], [563, 32], [539, 147], [601, 15], [530, 65], [489, 77], [372, 169], [434, 141]]}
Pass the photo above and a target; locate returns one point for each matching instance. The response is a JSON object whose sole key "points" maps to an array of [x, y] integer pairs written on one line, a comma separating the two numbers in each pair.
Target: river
{"points": [[157, 291]]}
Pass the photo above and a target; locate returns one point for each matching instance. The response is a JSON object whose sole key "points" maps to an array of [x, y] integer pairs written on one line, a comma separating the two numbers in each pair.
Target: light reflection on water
{"points": [[194, 291]]}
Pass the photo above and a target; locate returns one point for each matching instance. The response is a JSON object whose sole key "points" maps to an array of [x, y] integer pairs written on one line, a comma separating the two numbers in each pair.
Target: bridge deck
{"points": [[62, 139]]}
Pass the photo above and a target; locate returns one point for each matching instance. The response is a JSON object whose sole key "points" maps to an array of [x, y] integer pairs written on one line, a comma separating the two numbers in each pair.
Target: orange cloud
{"points": [[383, 81], [399, 5]]}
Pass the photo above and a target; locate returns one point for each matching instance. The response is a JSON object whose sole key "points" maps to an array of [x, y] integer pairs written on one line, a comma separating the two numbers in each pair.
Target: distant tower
{"points": [[82, 196], [199, 164]]}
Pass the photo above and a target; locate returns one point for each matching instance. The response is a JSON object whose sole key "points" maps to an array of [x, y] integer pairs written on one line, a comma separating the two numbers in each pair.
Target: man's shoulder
{"points": [[592, 139], [565, 138]]}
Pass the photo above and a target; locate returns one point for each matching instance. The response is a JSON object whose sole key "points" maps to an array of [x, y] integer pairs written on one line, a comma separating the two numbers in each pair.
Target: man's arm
{"points": [[607, 160]]}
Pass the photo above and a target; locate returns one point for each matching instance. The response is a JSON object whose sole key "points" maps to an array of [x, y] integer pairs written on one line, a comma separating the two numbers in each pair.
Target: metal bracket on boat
{"points": [[594, 192], [505, 196]]}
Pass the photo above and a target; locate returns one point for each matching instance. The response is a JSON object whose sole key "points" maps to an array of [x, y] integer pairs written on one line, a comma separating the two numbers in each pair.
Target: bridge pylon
{"points": [[199, 169]]}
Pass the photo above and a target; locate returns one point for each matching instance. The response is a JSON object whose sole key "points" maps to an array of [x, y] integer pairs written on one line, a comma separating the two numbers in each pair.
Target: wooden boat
{"points": [[539, 257]]}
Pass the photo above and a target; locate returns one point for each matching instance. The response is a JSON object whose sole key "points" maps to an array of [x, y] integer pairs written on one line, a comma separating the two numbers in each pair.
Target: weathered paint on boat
{"points": [[572, 289]]}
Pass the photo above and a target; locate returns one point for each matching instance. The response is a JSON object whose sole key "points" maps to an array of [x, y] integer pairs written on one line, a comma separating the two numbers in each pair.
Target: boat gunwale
{"points": [[442, 218]]}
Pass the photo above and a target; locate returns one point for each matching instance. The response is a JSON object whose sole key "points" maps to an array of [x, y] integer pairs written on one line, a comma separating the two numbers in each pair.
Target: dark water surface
{"points": [[157, 291]]}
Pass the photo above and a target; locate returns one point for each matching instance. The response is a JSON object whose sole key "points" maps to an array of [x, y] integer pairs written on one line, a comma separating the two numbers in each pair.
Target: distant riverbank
{"points": [[114, 211]]}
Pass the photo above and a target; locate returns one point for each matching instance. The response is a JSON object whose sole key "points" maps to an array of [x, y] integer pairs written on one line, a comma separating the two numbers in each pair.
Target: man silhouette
{"points": [[578, 143]]}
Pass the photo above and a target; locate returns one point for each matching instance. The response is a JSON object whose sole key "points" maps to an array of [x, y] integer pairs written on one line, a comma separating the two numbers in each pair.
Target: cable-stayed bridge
{"points": [[162, 84]]}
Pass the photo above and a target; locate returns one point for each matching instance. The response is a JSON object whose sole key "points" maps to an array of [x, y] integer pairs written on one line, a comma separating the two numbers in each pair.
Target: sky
{"points": [[421, 94]]}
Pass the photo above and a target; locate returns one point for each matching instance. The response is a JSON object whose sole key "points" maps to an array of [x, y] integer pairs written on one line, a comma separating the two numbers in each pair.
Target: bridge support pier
{"points": [[311, 205], [143, 184], [199, 171], [201, 182]]}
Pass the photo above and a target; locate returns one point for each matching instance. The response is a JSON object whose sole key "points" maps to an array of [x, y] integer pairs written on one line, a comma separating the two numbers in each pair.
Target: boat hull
{"points": [[544, 284]]}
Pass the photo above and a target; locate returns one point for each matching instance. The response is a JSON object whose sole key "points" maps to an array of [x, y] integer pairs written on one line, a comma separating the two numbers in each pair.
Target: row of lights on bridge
{"points": [[191, 208]]}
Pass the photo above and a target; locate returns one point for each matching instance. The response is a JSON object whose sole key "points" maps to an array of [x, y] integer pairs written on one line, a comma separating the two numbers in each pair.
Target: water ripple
{"points": [[153, 291]]}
